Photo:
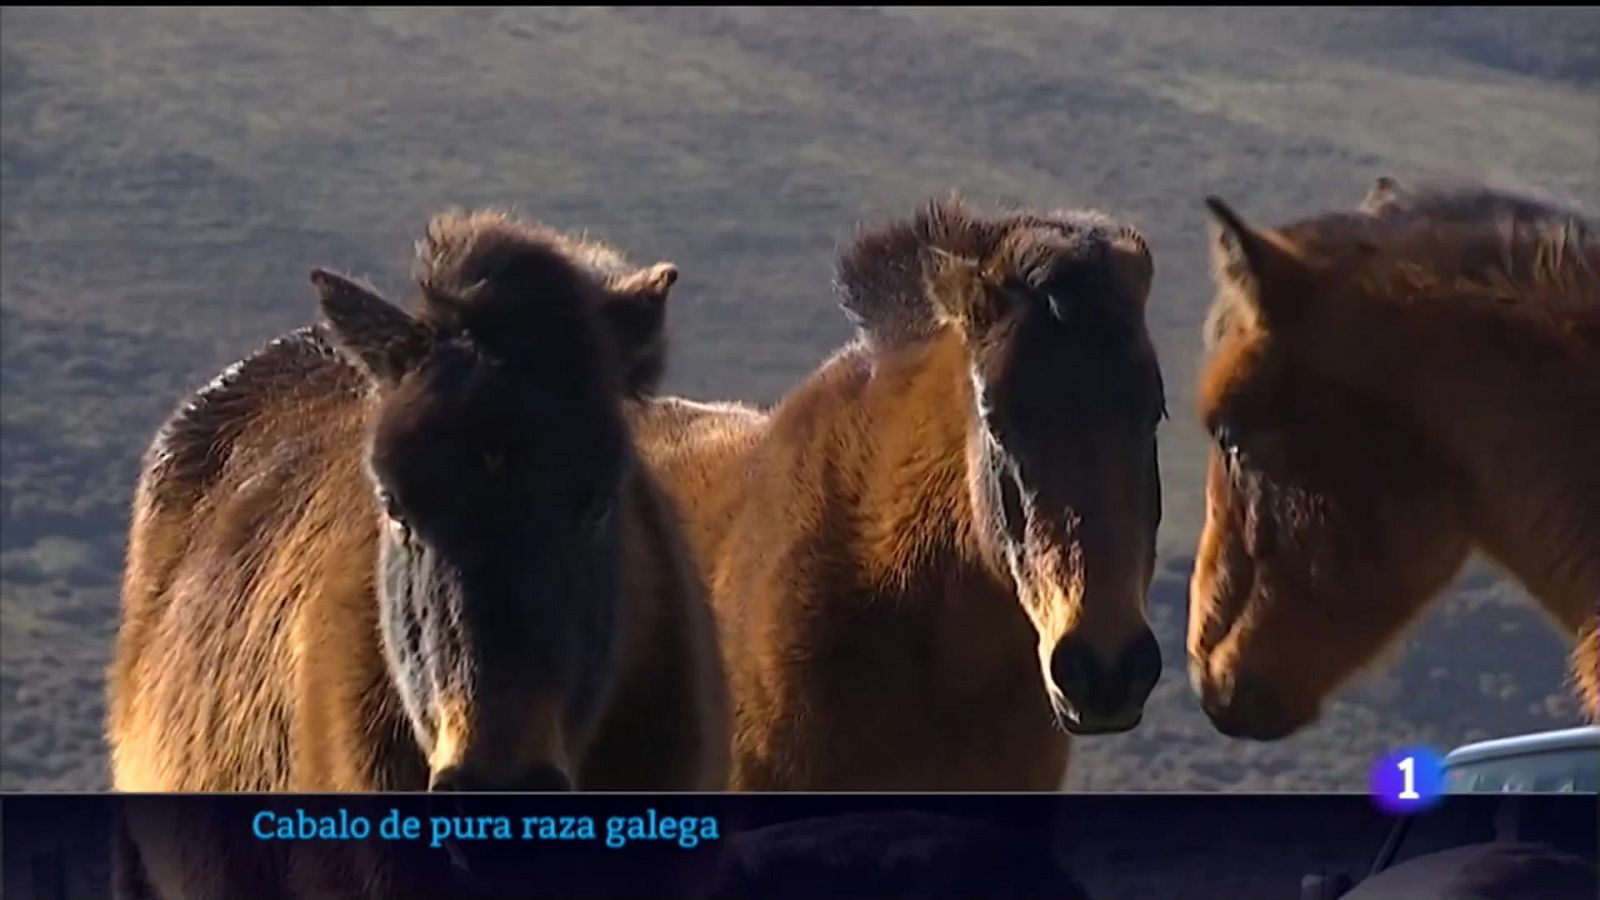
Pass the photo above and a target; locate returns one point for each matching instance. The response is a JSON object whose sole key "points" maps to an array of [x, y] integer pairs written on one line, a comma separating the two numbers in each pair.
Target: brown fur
{"points": [[249, 657], [1391, 389], [876, 636]]}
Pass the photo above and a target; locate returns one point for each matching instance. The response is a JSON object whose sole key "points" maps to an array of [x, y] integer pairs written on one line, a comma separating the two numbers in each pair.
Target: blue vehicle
{"points": [[1510, 847]]}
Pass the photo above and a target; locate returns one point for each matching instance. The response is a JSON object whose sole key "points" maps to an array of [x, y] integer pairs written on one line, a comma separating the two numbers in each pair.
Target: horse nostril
{"points": [[1140, 664], [1107, 697], [1074, 669], [1250, 709]]}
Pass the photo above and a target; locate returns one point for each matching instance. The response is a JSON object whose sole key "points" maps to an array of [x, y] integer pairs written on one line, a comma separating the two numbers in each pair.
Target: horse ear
{"points": [[378, 337], [651, 283], [1261, 261], [635, 314], [959, 291], [1385, 194], [1132, 263]]}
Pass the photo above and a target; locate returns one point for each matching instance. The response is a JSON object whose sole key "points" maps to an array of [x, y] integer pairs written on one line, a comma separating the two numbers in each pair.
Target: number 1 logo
{"points": [[1408, 789], [1407, 780]]}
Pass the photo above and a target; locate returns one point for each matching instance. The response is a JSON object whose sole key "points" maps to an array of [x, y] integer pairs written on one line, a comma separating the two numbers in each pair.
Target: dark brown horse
{"points": [[401, 552], [932, 556], [1389, 390]]}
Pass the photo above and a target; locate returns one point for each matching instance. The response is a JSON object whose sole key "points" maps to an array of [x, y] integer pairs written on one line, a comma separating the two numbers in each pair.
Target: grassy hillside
{"points": [[169, 177]]}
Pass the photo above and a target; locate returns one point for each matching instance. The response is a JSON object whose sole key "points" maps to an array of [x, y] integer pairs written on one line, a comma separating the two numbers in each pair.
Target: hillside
{"points": [[168, 177]]}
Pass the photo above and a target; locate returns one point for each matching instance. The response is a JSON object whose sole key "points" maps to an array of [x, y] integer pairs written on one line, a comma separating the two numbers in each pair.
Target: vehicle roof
{"points": [[1518, 745]]}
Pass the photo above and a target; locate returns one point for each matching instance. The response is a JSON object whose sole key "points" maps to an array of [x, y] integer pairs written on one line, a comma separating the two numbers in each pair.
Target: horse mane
{"points": [[1470, 247], [1461, 200], [1478, 249], [192, 445], [884, 275]]}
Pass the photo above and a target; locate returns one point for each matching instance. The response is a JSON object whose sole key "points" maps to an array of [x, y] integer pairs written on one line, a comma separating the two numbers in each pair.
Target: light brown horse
{"points": [[1389, 390], [932, 556], [401, 552]]}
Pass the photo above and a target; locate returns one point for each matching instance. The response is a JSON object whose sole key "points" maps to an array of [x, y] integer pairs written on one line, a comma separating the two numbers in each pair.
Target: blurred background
{"points": [[169, 177]]}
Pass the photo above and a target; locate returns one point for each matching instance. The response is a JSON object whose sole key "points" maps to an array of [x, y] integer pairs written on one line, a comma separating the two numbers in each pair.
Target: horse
{"points": [[405, 551], [1388, 391], [929, 561]]}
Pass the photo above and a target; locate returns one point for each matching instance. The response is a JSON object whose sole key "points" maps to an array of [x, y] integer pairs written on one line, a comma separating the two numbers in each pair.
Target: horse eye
{"points": [[391, 507], [597, 510], [1228, 443], [1058, 307]]}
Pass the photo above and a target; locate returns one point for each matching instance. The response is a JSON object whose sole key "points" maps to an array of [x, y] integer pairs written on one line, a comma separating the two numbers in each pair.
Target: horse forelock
{"points": [[510, 280], [883, 274]]}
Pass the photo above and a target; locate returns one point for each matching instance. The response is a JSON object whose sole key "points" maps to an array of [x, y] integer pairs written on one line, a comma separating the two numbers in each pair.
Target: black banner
{"points": [[1060, 846]]}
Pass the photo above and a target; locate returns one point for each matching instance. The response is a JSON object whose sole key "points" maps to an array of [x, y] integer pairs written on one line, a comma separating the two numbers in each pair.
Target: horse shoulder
{"points": [[211, 583]]}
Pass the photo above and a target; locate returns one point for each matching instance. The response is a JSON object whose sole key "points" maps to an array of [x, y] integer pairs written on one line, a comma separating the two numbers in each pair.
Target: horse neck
{"points": [[915, 418], [1535, 504], [1519, 424], [355, 732]]}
